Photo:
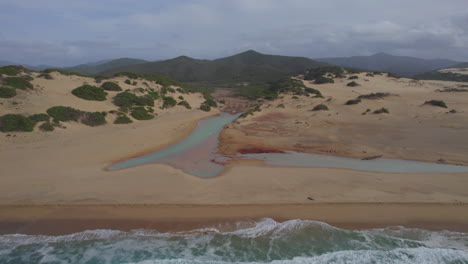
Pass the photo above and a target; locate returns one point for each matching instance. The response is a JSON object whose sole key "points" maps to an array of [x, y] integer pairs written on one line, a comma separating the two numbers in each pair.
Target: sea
{"points": [[264, 241]]}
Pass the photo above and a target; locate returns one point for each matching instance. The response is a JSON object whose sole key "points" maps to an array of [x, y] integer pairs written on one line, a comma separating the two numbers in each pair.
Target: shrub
{"points": [[99, 78], [153, 94], [280, 106], [64, 113], [320, 107], [88, 92], [452, 90], [205, 108], [168, 102], [18, 82], [353, 77], [185, 103], [125, 99], [313, 91], [314, 73], [128, 81], [209, 100], [122, 119], [181, 97], [382, 110], [39, 118], [322, 80], [93, 118], [130, 75], [438, 103], [353, 84], [47, 126], [369, 74], [144, 100], [6, 92], [295, 97], [374, 96], [16, 123], [12, 70], [392, 75], [140, 113], [46, 76], [453, 111], [353, 102], [182, 91], [111, 86], [134, 83]]}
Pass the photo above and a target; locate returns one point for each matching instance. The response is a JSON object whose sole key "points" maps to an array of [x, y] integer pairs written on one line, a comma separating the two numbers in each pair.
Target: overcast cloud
{"points": [[63, 32]]}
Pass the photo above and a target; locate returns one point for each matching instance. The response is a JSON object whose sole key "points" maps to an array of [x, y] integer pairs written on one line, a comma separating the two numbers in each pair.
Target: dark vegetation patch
{"points": [[46, 76], [374, 96], [443, 76], [320, 107], [128, 82], [46, 127], [16, 123], [122, 119], [111, 86], [185, 103], [353, 77], [6, 92], [323, 79], [313, 74], [39, 118], [452, 90], [353, 84], [22, 82], [382, 110], [93, 118], [168, 102], [64, 113], [392, 75], [65, 72], [353, 102], [126, 100], [258, 150], [152, 93], [89, 92], [438, 103], [12, 70], [140, 113], [205, 108]]}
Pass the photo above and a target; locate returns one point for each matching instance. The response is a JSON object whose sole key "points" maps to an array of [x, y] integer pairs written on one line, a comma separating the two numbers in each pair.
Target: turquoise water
{"points": [[266, 241], [195, 155]]}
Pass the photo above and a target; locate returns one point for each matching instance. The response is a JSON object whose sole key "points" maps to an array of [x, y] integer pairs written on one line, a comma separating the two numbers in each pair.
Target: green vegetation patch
{"points": [[353, 84], [22, 82], [354, 77], [320, 107], [250, 112], [438, 103], [185, 103], [89, 92], [382, 110], [64, 113], [39, 118], [111, 86], [353, 102], [12, 70], [6, 92], [46, 127], [205, 108], [16, 123], [122, 119], [452, 90], [374, 96], [94, 118], [46, 76], [323, 79], [168, 102], [140, 113], [313, 74]]}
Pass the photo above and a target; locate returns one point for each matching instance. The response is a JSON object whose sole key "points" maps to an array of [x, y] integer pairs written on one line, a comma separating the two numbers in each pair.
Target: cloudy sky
{"points": [[65, 32]]}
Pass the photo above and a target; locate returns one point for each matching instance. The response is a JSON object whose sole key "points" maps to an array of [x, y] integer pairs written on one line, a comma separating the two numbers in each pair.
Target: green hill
{"points": [[249, 66], [98, 68]]}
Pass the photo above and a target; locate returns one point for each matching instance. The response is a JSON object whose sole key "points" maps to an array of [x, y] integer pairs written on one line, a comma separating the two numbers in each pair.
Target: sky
{"points": [[66, 33]]}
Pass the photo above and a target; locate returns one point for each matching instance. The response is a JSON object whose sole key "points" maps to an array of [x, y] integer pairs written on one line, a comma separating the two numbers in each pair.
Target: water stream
{"points": [[196, 155]]}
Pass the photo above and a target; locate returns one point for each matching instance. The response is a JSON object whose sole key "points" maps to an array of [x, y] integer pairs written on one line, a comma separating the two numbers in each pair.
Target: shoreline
{"points": [[68, 219]]}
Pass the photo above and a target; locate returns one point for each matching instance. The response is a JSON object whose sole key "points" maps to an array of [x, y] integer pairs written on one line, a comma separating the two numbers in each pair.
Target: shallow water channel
{"points": [[196, 155]]}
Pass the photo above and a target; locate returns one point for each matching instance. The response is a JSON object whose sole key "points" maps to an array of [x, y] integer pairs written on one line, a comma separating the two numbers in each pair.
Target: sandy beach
{"points": [[70, 186]]}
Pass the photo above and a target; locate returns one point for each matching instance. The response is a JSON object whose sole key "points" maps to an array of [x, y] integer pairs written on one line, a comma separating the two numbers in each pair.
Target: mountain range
{"points": [[400, 65]]}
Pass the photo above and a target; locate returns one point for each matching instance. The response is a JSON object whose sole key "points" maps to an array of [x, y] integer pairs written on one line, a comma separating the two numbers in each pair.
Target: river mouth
{"points": [[198, 155]]}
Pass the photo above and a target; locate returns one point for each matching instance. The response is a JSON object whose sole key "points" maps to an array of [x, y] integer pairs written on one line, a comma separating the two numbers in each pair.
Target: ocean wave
{"points": [[266, 241]]}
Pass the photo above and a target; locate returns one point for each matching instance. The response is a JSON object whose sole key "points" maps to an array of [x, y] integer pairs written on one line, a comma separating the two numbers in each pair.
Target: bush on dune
{"points": [[12, 70], [6, 92], [438, 103], [185, 103], [168, 102], [16, 123], [18, 82], [374, 96], [46, 76], [320, 107], [353, 102], [39, 118], [47, 127], [322, 80], [122, 119], [140, 113], [353, 84], [382, 110], [93, 118], [64, 113], [88, 92], [111, 86], [205, 108]]}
